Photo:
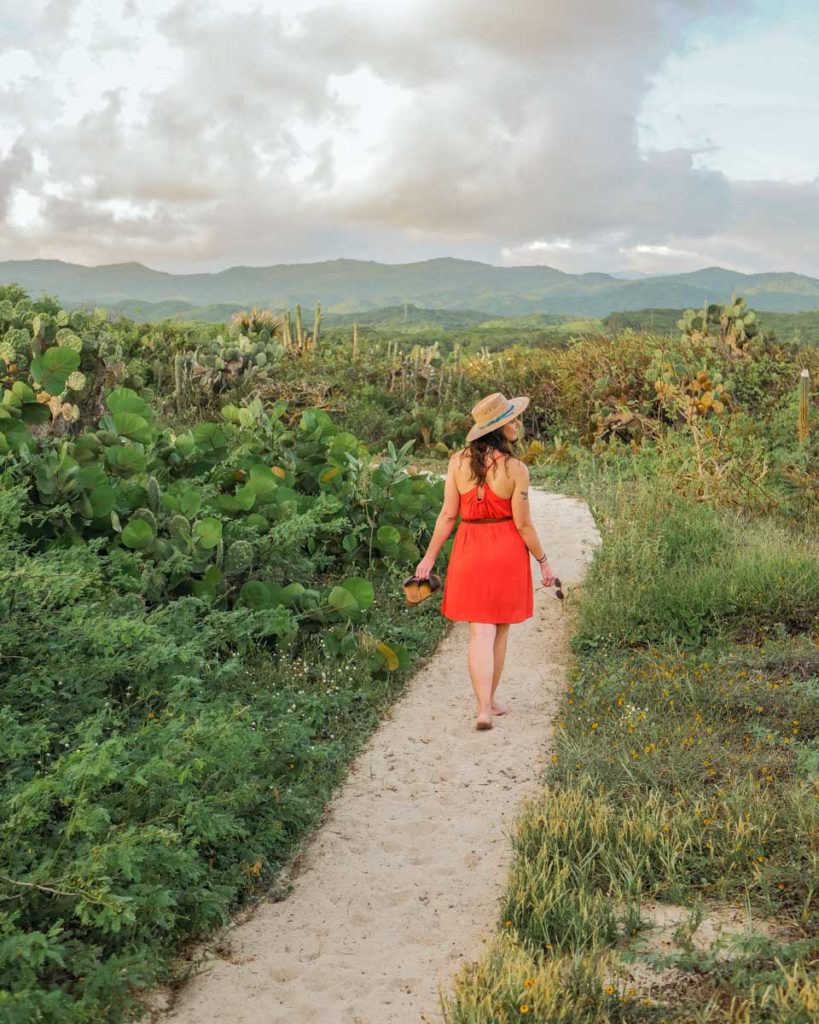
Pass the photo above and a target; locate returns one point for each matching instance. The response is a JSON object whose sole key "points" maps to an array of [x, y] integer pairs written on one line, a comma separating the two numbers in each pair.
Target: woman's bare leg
{"points": [[501, 638], [481, 662]]}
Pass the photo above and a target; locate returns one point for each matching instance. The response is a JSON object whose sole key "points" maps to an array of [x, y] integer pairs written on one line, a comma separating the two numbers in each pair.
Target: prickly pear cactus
{"points": [[179, 528], [68, 339], [154, 495], [238, 558], [727, 328], [147, 515], [51, 354]]}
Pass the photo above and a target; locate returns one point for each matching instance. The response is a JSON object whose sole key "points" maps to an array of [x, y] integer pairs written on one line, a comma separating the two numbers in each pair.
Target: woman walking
{"points": [[489, 578]]}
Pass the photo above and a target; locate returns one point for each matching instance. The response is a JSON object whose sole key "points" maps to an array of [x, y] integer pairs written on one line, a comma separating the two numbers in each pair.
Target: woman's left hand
{"points": [[424, 568]]}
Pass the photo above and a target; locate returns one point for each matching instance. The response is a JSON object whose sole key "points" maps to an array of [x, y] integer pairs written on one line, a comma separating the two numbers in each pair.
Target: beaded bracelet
{"points": [[540, 561]]}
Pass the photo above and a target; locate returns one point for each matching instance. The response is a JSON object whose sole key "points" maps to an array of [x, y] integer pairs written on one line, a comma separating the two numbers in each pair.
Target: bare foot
{"points": [[484, 720], [499, 709]]}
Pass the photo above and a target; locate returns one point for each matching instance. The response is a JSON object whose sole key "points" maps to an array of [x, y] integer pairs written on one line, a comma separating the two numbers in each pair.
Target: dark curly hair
{"points": [[481, 446]]}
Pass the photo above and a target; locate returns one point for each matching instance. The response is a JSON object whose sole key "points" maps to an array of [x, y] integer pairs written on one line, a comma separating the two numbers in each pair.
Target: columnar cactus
{"points": [[804, 395], [178, 364], [316, 326]]}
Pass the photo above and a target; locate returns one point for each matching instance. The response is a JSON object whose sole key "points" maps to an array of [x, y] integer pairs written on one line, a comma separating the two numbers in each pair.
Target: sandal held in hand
{"points": [[418, 590]]}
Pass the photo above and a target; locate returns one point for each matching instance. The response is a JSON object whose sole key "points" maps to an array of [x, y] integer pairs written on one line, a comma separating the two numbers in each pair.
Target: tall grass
{"points": [[671, 568], [684, 771]]}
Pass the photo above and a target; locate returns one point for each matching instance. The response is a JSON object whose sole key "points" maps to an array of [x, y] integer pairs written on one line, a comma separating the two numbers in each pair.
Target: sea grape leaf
{"points": [[138, 534], [208, 531]]}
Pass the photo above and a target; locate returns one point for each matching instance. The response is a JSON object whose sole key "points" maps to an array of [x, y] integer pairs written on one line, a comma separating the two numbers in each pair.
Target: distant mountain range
{"points": [[346, 286]]}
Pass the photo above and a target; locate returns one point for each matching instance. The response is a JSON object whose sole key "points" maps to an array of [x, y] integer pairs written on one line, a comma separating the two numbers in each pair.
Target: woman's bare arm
{"points": [[520, 509], [446, 517]]}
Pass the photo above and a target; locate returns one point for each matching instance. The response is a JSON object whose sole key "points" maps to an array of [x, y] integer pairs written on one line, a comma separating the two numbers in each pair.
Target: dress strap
{"points": [[495, 458]]}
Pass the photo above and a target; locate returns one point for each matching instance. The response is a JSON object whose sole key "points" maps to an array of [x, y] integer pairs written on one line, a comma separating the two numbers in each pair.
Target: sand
{"points": [[401, 883]]}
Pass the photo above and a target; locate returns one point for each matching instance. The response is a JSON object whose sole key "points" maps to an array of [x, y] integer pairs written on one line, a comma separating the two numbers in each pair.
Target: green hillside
{"points": [[353, 286]]}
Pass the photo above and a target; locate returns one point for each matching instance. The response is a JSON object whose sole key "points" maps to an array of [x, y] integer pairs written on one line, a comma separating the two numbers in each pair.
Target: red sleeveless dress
{"points": [[489, 576]]}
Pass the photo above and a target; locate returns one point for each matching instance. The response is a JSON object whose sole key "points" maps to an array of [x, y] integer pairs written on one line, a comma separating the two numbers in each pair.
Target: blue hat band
{"points": [[511, 408]]}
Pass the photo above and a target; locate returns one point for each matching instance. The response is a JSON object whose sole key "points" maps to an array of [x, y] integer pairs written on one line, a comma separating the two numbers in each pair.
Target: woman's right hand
{"points": [[546, 575], [424, 568]]}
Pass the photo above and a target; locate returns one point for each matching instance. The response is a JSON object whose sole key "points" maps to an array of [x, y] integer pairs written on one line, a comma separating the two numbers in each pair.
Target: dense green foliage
{"points": [[198, 625], [204, 534], [156, 762]]}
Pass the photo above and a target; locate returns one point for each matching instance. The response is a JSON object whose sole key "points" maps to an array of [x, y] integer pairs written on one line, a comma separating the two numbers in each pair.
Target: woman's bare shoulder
{"points": [[518, 470], [455, 465]]}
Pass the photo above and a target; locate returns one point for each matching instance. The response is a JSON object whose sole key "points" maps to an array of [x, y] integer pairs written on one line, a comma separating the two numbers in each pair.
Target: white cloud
{"points": [[24, 210], [205, 134]]}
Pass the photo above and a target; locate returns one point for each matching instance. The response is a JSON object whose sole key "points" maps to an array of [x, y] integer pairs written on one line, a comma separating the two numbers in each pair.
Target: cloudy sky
{"points": [[655, 135]]}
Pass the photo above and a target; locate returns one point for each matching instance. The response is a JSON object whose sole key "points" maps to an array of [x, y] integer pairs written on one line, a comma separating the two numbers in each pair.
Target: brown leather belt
{"points": [[503, 519]]}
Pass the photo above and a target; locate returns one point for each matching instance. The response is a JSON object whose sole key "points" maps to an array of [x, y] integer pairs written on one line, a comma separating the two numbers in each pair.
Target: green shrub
{"points": [[163, 747]]}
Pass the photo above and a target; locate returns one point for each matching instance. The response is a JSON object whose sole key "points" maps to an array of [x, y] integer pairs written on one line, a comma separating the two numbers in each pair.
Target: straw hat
{"points": [[492, 412]]}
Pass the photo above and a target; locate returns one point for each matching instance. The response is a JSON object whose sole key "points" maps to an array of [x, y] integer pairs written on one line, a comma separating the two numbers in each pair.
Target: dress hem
{"points": [[494, 622]]}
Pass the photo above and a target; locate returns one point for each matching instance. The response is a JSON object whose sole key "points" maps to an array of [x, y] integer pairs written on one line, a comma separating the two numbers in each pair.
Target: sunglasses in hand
{"points": [[558, 590]]}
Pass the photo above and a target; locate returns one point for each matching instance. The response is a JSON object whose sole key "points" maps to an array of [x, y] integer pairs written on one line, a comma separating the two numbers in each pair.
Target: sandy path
{"points": [[402, 881]]}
